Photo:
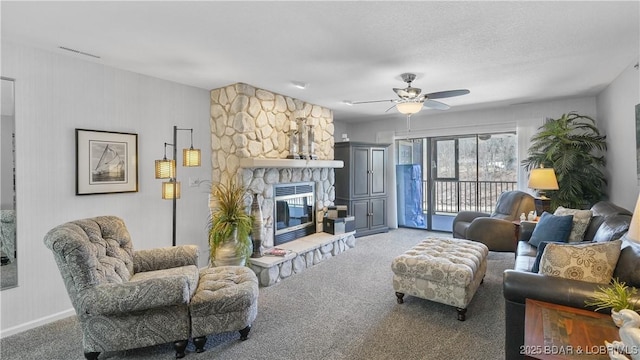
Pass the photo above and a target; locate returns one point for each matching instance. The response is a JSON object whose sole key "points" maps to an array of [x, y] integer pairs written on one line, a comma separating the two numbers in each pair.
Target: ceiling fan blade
{"points": [[432, 104], [369, 102], [390, 108], [447, 94]]}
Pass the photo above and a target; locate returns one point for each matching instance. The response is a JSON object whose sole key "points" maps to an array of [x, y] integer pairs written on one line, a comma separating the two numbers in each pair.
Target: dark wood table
{"points": [[556, 332]]}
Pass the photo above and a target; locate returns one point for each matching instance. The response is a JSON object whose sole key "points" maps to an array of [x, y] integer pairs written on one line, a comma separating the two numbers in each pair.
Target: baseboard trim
{"points": [[35, 323]]}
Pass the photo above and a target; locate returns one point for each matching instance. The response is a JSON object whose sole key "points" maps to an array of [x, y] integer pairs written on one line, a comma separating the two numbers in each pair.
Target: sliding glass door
{"points": [[457, 173]]}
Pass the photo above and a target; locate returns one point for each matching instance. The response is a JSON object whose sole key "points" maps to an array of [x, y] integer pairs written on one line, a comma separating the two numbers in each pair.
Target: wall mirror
{"points": [[8, 236]]}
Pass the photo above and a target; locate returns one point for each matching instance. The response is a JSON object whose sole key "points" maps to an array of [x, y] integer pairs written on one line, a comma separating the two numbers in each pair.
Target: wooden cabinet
{"points": [[362, 184]]}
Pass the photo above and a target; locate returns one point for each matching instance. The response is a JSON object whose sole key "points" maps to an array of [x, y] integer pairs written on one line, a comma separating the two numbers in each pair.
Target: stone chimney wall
{"points": [[247, 122]]}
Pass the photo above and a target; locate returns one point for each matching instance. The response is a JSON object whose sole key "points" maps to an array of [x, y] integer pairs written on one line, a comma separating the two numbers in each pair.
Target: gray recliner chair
{"points": [[496, 230]]}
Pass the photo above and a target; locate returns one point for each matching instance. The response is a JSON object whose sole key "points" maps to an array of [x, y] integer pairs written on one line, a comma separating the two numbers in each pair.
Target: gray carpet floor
{"points": [[342, 308]]}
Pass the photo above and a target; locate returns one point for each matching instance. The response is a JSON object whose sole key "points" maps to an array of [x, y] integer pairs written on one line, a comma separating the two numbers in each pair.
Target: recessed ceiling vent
{"points": [[79, 52]]}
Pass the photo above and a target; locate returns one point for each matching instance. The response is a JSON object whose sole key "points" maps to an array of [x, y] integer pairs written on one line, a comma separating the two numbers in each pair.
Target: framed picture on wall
{"points": [[106, 162]]}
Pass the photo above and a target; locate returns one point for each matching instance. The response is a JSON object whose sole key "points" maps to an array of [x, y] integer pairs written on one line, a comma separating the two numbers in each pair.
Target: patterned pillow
{"points": [[581, 220], [592, 262]]}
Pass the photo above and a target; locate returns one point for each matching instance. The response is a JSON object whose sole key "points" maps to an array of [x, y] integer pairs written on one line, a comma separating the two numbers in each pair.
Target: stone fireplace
{"points": [[249, 141]]}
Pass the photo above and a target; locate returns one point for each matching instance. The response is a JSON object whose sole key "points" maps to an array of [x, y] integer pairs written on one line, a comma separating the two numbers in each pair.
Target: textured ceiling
{"points": [[503, 52]]}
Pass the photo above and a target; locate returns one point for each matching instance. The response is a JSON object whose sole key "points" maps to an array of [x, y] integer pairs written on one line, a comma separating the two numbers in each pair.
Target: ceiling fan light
{"points": [[409, 108]]}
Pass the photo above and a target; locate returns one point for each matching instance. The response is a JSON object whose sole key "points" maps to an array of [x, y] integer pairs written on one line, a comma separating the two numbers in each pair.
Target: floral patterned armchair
{"points": [[123, 298]]}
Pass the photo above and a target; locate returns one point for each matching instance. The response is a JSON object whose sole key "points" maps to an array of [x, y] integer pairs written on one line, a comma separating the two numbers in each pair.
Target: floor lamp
{"points": [[166, 169]]}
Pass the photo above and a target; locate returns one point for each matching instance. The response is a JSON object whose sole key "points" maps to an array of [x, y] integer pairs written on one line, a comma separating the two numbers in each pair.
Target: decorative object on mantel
{"points": [[617, 297], [293, 144], [166, 169], [303, 138], [311, 141], [229, 225], [258, 229]]}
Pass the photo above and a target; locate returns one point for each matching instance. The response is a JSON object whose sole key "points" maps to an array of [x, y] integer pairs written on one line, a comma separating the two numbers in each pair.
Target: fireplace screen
{"points": [[294, 210]]}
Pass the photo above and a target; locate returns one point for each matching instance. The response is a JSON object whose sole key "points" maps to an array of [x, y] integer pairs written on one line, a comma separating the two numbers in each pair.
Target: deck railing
{"points": [[453, 196]]}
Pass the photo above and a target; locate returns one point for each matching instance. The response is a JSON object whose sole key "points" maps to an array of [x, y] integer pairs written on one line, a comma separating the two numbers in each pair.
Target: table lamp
{"points": [[542, 179]]}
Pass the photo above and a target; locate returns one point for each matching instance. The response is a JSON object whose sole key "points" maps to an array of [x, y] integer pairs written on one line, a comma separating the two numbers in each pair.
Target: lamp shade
{"points": [[165, 169], [169, 188], [634, 227], [191, 157], [409, 107], [543, 179]]}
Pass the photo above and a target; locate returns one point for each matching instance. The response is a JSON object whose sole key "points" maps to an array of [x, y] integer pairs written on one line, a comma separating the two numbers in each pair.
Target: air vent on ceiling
{"points": [[79, 52]]}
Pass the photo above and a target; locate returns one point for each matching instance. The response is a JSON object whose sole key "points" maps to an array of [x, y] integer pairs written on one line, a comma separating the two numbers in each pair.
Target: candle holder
{"points": [[303, 139], [311, 141], [293, 144]]}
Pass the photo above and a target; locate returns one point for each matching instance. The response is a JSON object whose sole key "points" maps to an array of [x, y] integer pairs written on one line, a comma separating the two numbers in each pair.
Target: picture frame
{"points": [[106, 162]]}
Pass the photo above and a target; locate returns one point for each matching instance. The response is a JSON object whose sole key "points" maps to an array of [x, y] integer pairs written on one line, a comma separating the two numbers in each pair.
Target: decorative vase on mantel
{"points": [[226, 254], [303, 138], [258, 228]]}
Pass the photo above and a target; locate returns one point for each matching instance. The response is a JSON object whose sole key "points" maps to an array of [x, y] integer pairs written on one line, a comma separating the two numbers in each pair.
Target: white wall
{"points": [[617, 119], [339, 128], [56, 94]]}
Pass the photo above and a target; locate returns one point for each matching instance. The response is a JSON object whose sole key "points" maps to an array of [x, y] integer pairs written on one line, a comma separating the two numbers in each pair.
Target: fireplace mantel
{"points": [[250, 163]]}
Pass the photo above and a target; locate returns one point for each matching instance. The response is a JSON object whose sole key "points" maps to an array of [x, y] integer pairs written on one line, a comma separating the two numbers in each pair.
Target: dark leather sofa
{"points": [[609, 222]]}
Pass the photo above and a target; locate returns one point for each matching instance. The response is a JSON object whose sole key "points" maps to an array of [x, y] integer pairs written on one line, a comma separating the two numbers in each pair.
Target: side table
{"points": [[517, 226], [557, 332]]}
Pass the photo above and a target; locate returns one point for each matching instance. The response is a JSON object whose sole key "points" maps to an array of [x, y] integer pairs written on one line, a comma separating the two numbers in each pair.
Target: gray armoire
{"points": [[362, 184]]}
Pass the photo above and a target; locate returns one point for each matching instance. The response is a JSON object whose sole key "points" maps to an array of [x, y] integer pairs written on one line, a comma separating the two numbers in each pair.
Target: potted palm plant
{"points": [[573, 147], [229, 225]]}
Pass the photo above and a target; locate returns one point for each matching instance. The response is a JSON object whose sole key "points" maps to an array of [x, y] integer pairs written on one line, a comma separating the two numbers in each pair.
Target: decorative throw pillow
{"points": [[551, 228], [592, 262], [581, 220], [536, 264]]}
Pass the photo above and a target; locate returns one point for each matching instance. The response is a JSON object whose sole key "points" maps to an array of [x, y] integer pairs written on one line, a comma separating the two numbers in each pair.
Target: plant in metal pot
{"points": [[620, 299], [573, 146], [229, 225], [616, 296]]}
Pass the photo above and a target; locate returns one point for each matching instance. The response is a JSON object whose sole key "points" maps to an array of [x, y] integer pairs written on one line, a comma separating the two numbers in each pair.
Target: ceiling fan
{"points": [[410, 101]]}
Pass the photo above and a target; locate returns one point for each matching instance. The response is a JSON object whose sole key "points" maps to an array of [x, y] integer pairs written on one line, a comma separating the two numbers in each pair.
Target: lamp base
{"points": [[542, 205]]}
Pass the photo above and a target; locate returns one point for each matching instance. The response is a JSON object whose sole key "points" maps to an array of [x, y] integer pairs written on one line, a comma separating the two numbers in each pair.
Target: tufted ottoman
{"points": [[444, 270], [226, 300]]}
